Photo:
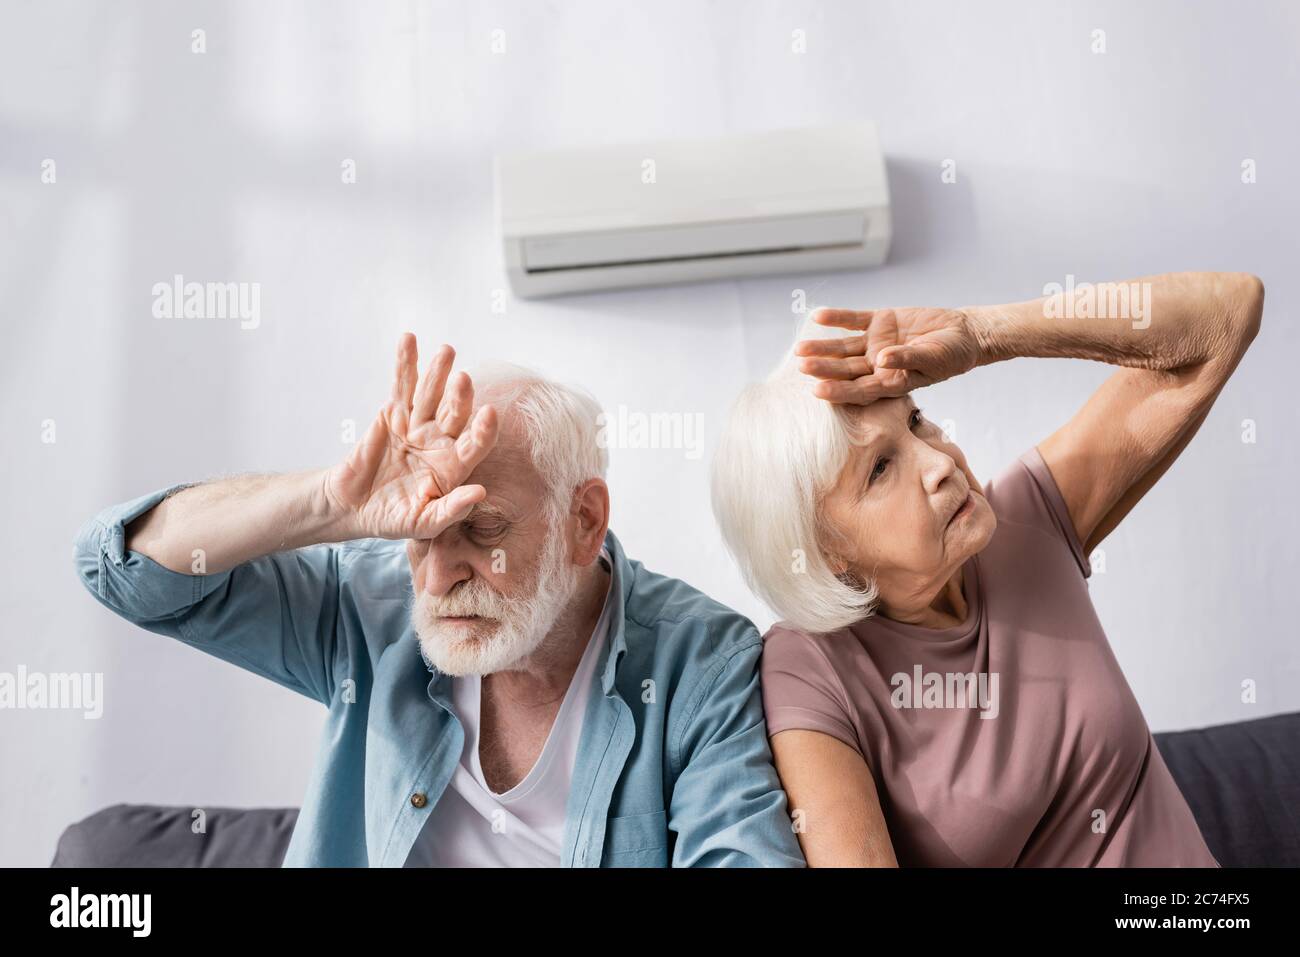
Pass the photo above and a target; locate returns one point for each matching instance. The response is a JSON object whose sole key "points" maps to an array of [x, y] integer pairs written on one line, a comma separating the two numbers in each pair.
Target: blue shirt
{"points": [[673, 763]]}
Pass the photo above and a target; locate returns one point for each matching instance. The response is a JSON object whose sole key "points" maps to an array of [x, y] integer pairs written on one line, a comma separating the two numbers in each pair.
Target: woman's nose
{"points": [[937, 469]]}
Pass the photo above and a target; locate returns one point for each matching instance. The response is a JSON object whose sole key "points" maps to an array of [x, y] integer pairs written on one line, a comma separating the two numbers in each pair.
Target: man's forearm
{"points": [[1170, 321], [213, 527]]}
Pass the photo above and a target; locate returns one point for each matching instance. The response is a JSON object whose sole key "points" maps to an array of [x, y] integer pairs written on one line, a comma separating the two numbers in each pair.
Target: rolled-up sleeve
{"points": [[275, 616]]}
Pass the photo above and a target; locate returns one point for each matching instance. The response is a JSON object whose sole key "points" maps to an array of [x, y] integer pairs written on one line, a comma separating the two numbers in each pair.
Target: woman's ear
{"points": [[852, 579], [843, 570], [830, 541], [838, 565]]}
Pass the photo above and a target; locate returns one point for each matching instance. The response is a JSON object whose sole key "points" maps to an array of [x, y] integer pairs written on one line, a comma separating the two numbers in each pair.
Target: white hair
{"points": [[561, 424], [781, 452]]}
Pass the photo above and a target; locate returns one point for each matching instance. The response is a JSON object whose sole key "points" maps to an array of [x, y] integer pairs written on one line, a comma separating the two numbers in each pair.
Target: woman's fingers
{"points": [[429, 393], [897, 357], [861, 391], [853, 367], [842, 318], [835, 347]]}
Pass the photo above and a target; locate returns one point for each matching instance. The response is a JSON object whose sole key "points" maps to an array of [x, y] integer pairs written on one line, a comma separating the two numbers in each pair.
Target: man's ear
{"points": [[590, 516]]}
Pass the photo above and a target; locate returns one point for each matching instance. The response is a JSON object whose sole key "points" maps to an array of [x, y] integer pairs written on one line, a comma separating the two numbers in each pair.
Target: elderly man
{"points": [[505, 687]]}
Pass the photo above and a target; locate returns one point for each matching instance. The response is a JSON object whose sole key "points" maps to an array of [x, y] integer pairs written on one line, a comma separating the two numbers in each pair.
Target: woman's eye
{"points": [[917, 418], [879, 468], [487, 531]]}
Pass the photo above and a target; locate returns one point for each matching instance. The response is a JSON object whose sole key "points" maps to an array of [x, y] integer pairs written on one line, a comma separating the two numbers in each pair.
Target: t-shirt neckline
{"points": [[578, 685]]}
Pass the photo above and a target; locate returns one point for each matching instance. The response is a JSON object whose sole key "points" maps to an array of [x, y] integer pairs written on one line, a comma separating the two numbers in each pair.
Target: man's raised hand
{"points": [[404, 478]]}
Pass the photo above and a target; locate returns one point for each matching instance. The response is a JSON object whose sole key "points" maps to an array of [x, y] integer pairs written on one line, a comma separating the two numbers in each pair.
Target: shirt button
{"points": [[418, 799]]}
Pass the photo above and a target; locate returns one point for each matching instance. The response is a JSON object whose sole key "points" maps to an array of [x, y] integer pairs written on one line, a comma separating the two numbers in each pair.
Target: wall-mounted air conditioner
{"points": [[679, 210]]}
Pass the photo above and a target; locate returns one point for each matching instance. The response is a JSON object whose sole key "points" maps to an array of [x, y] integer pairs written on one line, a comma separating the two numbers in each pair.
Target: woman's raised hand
{"points": [[404, 478], [897, 351]]}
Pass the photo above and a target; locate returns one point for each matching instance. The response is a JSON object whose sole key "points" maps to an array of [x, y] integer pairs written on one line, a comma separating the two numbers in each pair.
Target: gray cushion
{"points": [[142, 835], [1242, 782]]}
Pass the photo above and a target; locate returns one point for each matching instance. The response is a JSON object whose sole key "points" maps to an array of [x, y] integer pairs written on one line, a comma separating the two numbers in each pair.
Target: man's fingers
{"points": [[453, 412], [404, 378], [853, 367], [457, 503], [370, 452], [476, 441], [441, 513], [470, 448], [429, 393], [405, 372]]}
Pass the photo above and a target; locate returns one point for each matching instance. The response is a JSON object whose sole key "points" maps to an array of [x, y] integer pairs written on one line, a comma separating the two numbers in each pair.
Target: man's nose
{"points": [[441, 571]]}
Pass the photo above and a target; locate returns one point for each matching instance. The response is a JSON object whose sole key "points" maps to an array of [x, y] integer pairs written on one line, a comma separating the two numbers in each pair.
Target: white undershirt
{"points": [[473, 826]]}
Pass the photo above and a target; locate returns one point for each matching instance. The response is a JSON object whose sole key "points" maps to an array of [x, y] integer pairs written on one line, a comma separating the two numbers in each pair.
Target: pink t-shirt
{"points": [[1011, 739]]}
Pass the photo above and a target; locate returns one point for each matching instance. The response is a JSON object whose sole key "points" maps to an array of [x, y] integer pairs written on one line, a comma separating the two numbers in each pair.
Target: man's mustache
{"points": [[473, 599]]}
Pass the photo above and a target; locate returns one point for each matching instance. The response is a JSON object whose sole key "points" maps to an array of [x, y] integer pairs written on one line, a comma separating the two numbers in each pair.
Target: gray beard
{"points": [[522, 623]]}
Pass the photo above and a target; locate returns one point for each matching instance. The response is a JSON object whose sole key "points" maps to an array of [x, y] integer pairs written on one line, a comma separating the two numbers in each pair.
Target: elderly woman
{"points": [[940, 691]]}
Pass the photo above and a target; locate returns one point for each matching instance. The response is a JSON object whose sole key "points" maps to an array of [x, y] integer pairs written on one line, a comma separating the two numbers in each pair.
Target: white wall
{"points": [[225, 166]]}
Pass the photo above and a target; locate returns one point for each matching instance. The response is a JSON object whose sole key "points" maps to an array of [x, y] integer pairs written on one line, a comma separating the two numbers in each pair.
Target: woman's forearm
{"points": [[1167, 322]]}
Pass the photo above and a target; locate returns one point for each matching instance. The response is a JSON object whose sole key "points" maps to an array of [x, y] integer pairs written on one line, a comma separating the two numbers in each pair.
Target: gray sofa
{"points": [[1242, 781]]}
